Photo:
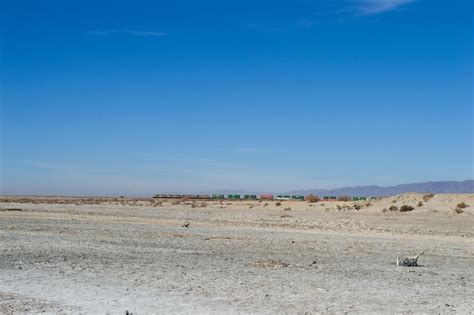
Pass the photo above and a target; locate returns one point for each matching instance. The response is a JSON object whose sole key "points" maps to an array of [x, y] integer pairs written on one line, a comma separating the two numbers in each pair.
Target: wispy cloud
{"points": [[371, 7], [128, 32]]}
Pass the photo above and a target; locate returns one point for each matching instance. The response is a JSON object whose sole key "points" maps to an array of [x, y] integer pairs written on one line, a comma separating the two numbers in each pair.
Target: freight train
{"points": [[251, 197]]}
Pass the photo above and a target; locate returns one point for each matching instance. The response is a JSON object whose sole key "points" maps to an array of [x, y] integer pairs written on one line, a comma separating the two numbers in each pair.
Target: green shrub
{"points": [[406, 208]]}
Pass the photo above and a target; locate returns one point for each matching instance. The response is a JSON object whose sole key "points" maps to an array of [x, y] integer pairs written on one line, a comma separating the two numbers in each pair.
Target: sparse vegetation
{"points": [[406, 208], [393, 208], [176, 202], [420, 204], [357, 207], [368, 204], [344, 198], [278, 203], [287, 209], [462, 205], [427, 197], [312, 198], [459, 210]]}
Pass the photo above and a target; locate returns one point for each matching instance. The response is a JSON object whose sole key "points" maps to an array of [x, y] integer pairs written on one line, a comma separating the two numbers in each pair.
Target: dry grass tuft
{"points": [[312, 198], [420, 204], [344, 198], [287, 209], [427, 197], [462, 205], [270, 263], [278, 203], [393, 208], [406, 208], [459, 210]]}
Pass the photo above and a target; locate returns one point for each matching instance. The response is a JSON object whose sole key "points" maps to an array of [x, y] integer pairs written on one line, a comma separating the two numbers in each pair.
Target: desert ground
{"points": [[113, 255]]}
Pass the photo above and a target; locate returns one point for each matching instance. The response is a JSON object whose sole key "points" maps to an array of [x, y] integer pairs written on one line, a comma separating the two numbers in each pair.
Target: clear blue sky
{"points": [[136, 97]]}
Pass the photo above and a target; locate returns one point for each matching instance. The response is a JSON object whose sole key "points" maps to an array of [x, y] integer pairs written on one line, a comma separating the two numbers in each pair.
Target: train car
{"points": [[235, 197], [250, 197], [266, 197], [283, 197], [203, 197], [297, 197], [218, 196]]}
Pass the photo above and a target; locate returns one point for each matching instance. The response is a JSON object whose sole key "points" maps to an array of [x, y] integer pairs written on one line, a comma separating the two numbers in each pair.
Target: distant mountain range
{"points": [[440, 187]]}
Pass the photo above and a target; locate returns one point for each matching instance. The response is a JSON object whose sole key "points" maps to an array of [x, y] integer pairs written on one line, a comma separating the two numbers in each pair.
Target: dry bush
{"points": [[344, 198], [278, 203], [357, 207], [459, 210], [406, 208], [393, 208], [265, 204], [312, 198], [368, 204], [462, 205], [420, 204], [176, 202], [384, 210], [203, 204], [427, 197], [287, 209], [286, 216]]}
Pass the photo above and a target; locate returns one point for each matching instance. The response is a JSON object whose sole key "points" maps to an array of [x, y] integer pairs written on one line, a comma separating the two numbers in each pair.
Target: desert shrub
{"points": [[287, 209], [357, 207], [265, 204], [203, 204], [406, 208], [420, 204], [427, 197], [384, 210], [462, 205], [344, 198], [278, 203], [312, 198], [459, 210], [176, 202], [393, 208], [368, 204]]}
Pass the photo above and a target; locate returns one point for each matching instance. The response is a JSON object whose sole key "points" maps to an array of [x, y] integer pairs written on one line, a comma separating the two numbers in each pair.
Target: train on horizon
{"points": [[256, 197]]}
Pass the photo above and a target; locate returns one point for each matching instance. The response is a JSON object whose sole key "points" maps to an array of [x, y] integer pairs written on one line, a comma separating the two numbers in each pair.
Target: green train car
{"points": [[217, 196], [250, 197], [297, 197], [235, 197]]}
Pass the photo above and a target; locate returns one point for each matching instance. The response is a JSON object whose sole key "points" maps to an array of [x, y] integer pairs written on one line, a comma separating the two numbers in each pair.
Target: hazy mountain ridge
{"points": [[440, 187]]}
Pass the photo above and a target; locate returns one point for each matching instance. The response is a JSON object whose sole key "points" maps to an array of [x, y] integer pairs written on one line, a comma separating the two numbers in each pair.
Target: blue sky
{"points": [[136, 97]]}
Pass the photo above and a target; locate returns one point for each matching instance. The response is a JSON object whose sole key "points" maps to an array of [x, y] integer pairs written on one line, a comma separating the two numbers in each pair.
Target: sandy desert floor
{"points": [[99, 255]]}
